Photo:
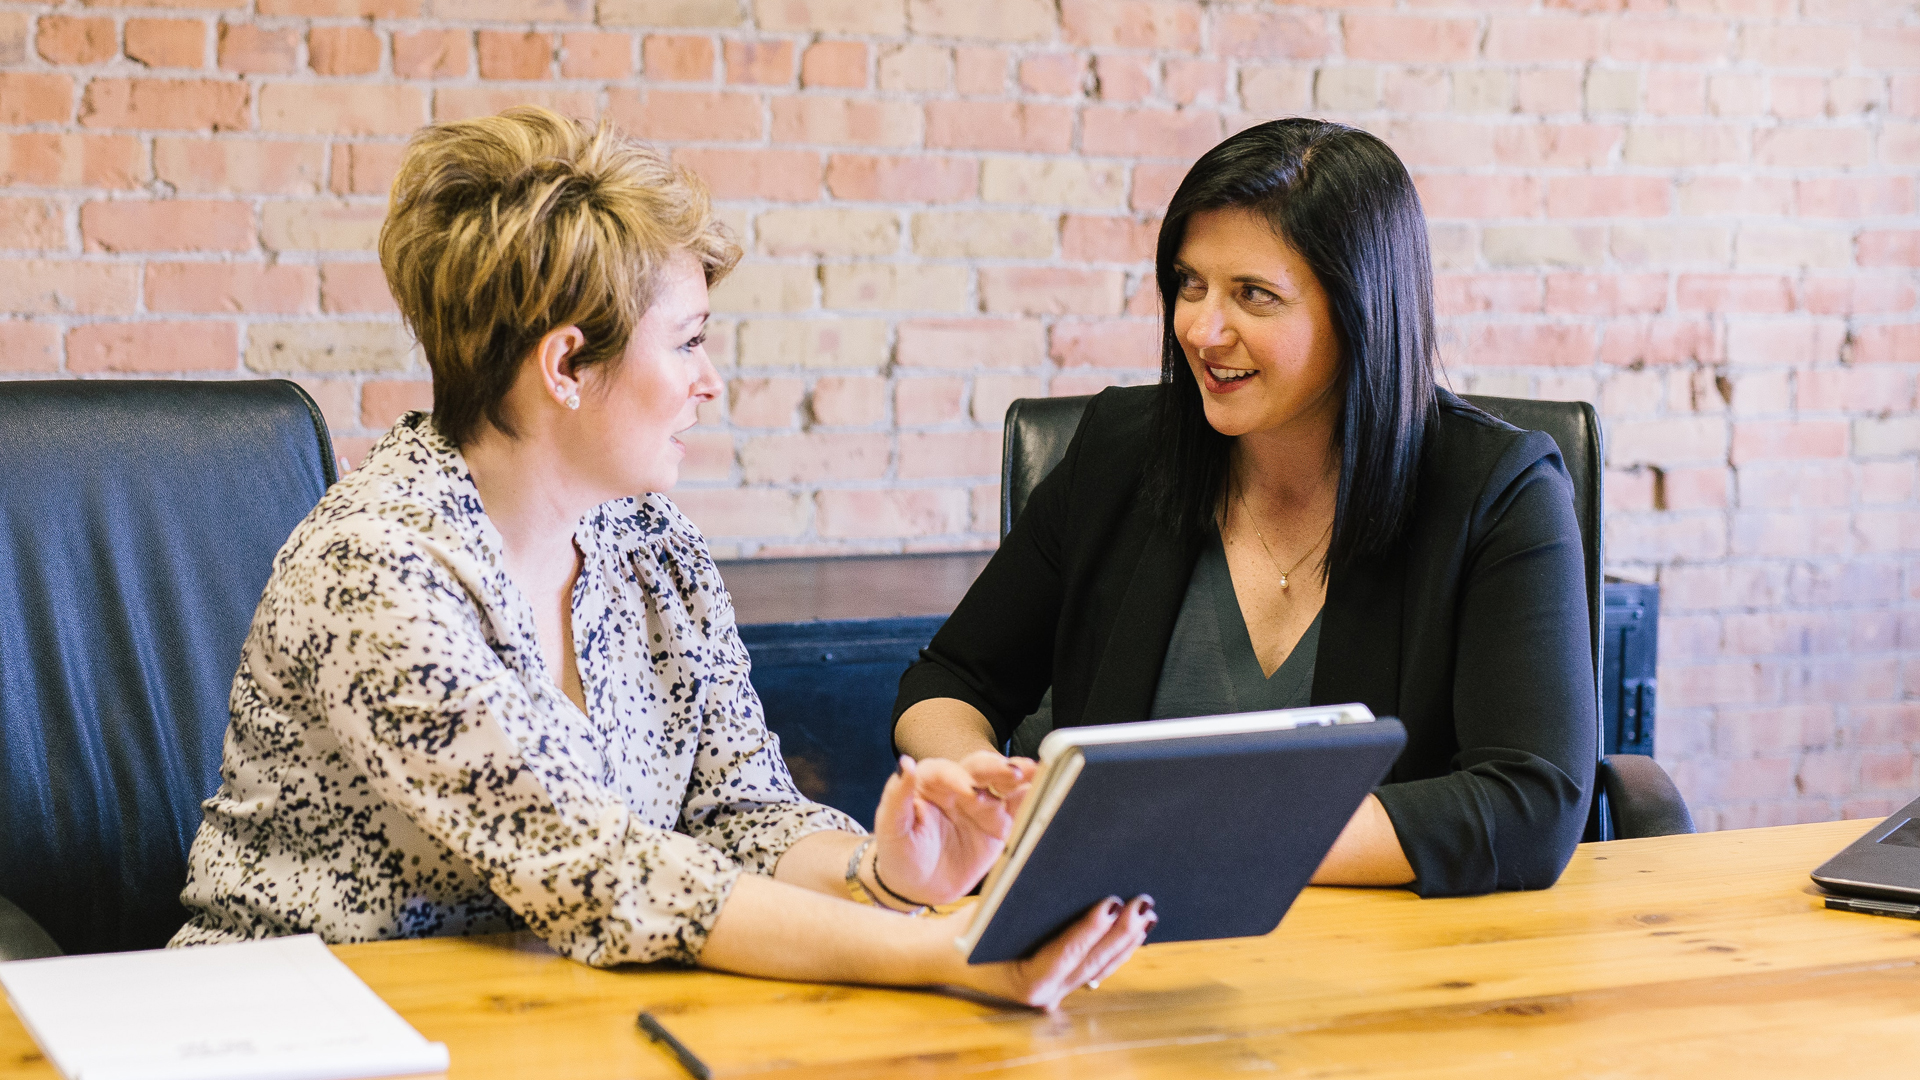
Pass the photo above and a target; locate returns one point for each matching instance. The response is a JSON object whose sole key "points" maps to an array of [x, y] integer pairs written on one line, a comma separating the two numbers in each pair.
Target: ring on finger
{"points": [[1093, 984]]}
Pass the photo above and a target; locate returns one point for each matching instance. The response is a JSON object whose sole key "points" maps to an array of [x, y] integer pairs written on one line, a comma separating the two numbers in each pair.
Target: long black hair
{"points": [[1344, 201]]}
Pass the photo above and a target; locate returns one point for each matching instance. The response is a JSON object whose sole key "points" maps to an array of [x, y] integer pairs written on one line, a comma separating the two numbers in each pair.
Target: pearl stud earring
{"points": [[573, 401]]}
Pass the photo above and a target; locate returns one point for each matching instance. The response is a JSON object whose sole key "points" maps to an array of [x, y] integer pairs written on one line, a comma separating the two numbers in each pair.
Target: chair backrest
{"points": [[1038, 430], [138, 524]]}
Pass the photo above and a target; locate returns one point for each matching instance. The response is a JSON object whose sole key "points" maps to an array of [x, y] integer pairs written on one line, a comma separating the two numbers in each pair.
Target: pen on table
{"points": [[658, 1033]]}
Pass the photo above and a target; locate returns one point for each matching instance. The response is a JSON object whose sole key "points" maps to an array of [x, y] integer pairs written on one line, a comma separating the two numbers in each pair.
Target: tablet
{"points": [[1879, 873], [1221, 819]]}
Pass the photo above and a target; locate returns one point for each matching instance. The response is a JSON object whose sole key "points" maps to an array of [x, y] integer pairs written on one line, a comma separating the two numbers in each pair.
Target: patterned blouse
{"points": [[399, 764]]}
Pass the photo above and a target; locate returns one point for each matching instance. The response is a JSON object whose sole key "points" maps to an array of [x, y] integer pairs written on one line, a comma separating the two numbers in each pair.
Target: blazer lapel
{"points": [[1129, 669], [1359, 657]]}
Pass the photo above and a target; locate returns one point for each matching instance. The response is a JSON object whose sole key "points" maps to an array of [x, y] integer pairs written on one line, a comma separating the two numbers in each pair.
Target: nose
{"points": [[706, 381], [1208, 328]]}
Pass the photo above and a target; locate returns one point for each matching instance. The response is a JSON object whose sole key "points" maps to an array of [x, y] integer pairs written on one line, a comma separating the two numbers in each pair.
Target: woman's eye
{"points": [[1257, 295], [699, 340], [1190, 284]]}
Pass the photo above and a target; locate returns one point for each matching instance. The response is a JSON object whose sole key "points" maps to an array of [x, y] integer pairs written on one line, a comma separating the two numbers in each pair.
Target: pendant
{"points": [[1283, 581]]}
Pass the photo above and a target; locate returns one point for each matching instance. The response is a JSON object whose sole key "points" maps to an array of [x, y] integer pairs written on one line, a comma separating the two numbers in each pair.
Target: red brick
{"points": [[1769, 440], [1798, 97], [1717, 195], [64, 287], [1533, 344], [1447, 195], [1675, 93], [849, 401], [514, 55], [1154, 185], [1049, 290], [1904, 98], [1889, 247], [967, 344], [195, 288], [343, 50], [255, 50], [1123, 343], [34, 98], [1123, 77], [1270, 35], [902, 179], [341, 108], [336, 9], [165, 104], [1606, 294], [677, 58], [980, 71], [1669, 41], [1801, 45], [834, 63], [759, 63], [1900, 144], [1872, 389], [166, 225], [382, 401], [1679, 145], [1609, 196], [1778, 343], [365, 168], [430, 54], [1896, 343], [1851, 197], [467, 102], [1469, 294], [764, 403], [1053, 74], [32, 224], [153, 347], [1171, 25], [71, 160], [944, 454], [836, 120], [1760, 294], [222, 166], [1547, 91], [1166, 133], [1442, 144], [781, 175], [1823, 148], [1857, 295], [1531, 39], [928, 401], [67, 39], [676, 115], [1659, 342], [1108, 239], [29, 346], [813, 456], [586, 54], [999, 125], [355, 288], [1410, 38], [1195, 82], [167, 43], [1737, 95], [901, 512]]}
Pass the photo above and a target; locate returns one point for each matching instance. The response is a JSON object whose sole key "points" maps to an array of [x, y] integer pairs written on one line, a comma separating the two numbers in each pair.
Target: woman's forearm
{"points": [[1368, 851], [943, 728], [774, 929]]}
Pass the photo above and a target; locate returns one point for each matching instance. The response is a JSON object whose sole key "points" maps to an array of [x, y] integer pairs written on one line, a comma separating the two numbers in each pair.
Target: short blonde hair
{"points": [[507, 227]]}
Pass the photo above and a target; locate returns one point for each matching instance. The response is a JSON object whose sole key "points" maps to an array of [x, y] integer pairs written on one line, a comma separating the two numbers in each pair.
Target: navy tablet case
{"points": [[1223, 831]]}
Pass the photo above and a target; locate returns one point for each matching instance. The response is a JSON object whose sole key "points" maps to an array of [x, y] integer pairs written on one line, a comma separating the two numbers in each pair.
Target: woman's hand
{"points": [[937, 830], [1084, 954]]}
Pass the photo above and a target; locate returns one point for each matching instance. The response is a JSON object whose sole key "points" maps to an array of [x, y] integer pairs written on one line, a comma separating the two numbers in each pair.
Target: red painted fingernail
{"points": [[1146, 904], [1113, 906]]}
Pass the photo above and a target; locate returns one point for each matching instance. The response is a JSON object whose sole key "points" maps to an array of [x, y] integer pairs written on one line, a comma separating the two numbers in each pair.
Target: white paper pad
{"points": [[281, 1009]]}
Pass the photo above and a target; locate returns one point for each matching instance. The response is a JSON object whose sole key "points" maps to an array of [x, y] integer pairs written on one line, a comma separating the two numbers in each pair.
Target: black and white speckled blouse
{"points": [[399, 764]]}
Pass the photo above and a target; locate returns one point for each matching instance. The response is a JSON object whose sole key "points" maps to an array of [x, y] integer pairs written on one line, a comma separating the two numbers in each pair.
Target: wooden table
{"points": [[1686, 956]]}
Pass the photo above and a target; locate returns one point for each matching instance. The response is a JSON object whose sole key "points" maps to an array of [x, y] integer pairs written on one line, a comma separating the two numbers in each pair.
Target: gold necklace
{"points": [[1288, 572]]}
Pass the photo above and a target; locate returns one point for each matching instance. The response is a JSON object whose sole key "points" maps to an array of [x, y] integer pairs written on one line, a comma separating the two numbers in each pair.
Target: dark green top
{"points": [[1211, 668]]}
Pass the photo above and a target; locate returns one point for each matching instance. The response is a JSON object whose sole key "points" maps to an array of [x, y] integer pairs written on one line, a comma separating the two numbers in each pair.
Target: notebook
{"points": [[1221, 819], [280, 1009], [1879, 874]]}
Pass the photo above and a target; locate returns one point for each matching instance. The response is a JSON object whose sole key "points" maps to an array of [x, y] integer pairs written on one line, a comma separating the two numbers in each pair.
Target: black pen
{"points": [[658, 1033]]}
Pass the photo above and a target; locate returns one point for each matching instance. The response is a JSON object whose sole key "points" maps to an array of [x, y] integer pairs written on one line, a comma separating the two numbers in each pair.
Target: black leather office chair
{"points": [[1633, 796], [138, 524]]}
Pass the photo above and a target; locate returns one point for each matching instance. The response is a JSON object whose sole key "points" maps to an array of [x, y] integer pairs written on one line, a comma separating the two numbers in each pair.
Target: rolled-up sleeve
{"points": [[1513, 807]]}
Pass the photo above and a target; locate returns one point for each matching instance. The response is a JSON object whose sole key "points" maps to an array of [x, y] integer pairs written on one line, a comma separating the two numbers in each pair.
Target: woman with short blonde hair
{"points": [[494, 680]]}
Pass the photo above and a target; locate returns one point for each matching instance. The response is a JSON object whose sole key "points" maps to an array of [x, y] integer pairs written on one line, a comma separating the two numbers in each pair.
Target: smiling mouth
{"points": [[1230, 375]]}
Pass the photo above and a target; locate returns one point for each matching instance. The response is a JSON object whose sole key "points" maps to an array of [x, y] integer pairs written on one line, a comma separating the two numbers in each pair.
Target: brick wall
{"points": [[1698, 214]]}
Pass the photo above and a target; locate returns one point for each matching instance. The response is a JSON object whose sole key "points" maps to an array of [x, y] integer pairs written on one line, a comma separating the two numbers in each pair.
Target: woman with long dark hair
{"points": [[1297, 515]]}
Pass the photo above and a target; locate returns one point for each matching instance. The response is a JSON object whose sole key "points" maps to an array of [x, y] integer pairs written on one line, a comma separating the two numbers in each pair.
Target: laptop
{"points": [[1221, 819], [1878, 874]]}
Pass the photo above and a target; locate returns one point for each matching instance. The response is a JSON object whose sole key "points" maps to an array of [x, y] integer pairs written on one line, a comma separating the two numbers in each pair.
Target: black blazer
{"points": [[1473, 631]]}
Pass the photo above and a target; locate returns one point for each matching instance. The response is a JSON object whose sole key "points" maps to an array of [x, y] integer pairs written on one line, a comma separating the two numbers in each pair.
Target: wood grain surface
{"points": [[1695, 956]]}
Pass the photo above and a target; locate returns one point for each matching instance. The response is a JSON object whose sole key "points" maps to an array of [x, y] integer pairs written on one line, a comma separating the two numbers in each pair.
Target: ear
{"points": [[554, 356]]}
